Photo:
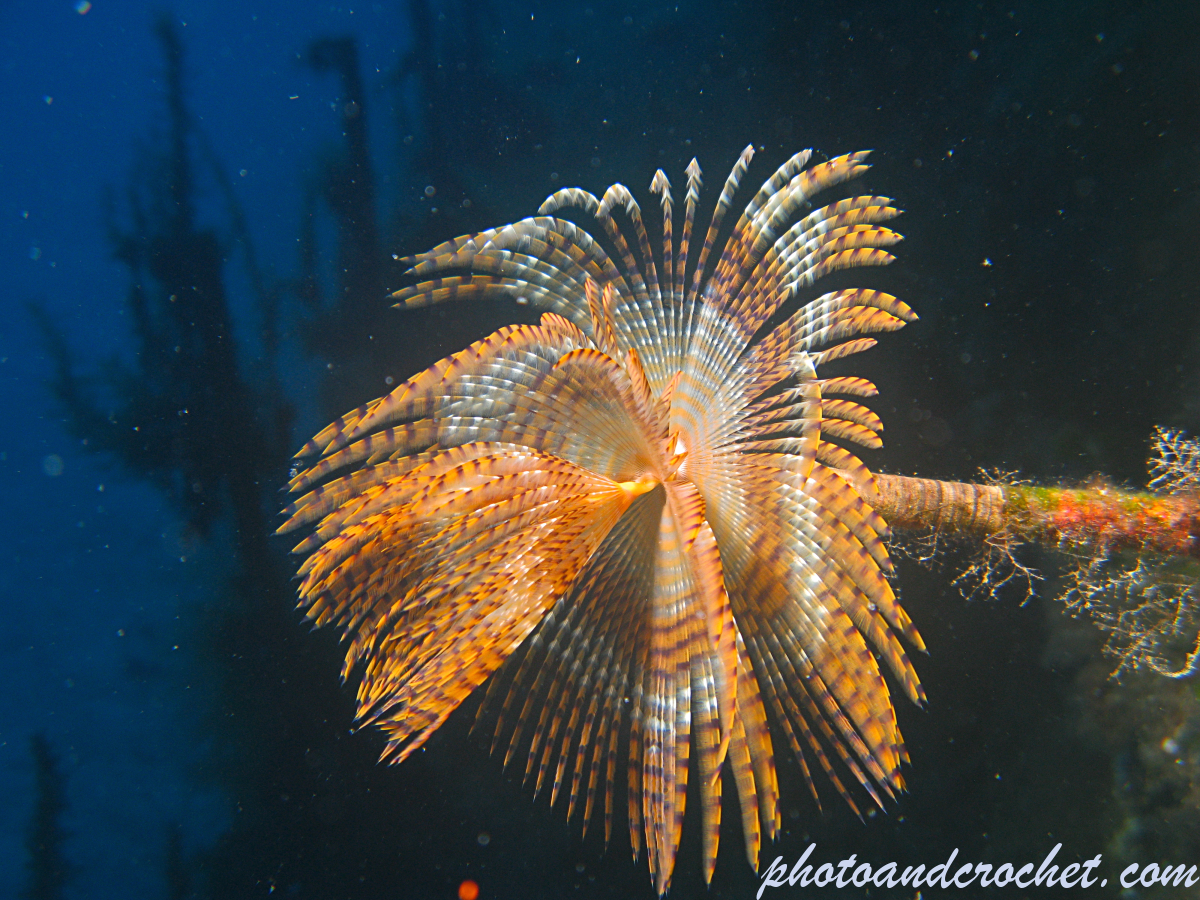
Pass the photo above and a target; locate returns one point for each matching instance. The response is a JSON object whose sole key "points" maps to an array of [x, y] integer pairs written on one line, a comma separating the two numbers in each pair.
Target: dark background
{"points": [[262, 162]]}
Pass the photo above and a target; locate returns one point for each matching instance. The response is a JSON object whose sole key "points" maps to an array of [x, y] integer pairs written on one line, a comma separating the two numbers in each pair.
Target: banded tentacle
{"points": [[640, 505]]}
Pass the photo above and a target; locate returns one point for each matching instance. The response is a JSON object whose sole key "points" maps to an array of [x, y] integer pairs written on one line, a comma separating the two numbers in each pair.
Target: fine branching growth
{"points": [[1175, 464], [1147, 606], [1146, 602], [994, 568]]}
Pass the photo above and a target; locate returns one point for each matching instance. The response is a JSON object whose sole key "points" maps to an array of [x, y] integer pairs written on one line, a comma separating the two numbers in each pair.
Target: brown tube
{"points": [[949, 506], [1095, 515]]}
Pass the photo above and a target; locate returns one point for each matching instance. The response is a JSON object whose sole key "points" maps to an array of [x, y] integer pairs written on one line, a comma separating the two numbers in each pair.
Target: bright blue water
{"points": [[97, 568]]}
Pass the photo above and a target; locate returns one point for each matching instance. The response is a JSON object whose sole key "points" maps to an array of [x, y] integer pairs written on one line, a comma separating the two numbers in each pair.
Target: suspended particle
{"points": [[468, 890]]}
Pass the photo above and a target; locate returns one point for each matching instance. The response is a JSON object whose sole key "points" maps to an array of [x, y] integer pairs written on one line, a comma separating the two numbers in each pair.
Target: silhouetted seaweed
{"points": [[349, 324], [349, 187], [179, 879], [182, 414], [49, 871]]}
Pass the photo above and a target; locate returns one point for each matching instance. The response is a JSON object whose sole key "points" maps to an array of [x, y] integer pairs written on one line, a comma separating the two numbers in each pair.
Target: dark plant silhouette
{"points": [[461, 107], [347, 187], [179, 880], [188, 416], [49, 871], [183, 414]]}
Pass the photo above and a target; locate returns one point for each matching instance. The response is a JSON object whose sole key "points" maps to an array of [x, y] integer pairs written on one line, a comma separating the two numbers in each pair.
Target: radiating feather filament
{"points": [[636, 505]]}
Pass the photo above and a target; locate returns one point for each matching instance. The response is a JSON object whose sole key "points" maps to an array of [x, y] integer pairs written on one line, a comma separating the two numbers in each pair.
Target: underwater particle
{"points": [[936, 431], [1170, 746], [35, 253], [468, 890], [430, 190], [484, 839], [595, 162], [973, 55], [48, 99], [580, 867], [52, 465], [987, 263], [82, 7]]}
